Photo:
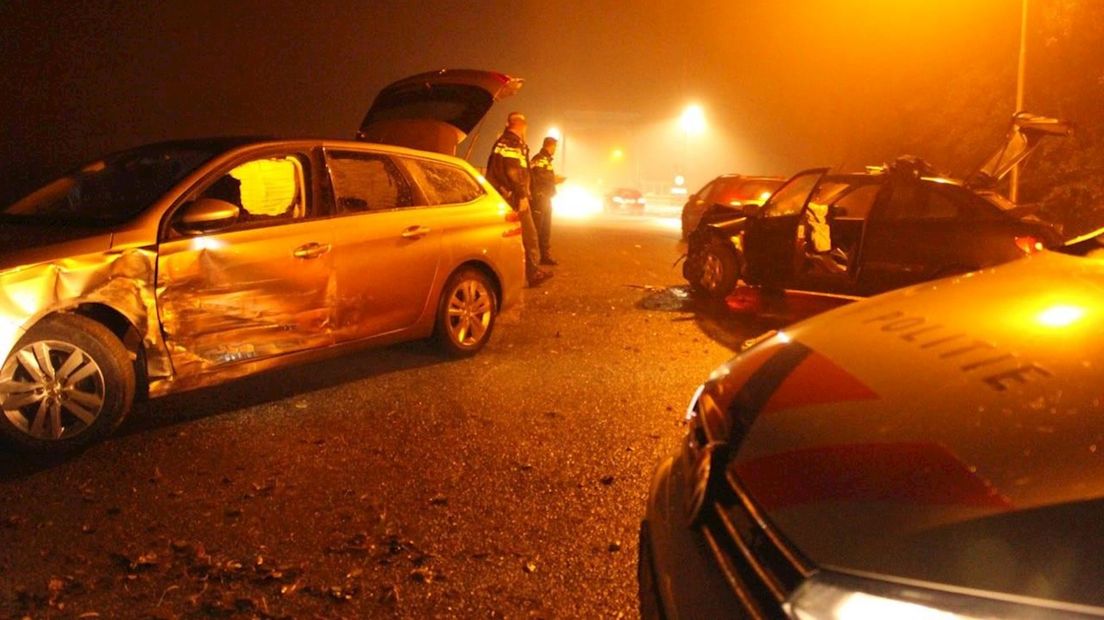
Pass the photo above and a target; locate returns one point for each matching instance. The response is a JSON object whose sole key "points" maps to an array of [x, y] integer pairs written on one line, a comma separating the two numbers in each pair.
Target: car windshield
{"points": [[735, 192], [112, 189]]}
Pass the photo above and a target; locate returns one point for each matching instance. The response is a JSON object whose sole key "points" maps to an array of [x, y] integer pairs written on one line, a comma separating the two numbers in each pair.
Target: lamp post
{"points": [[1014, 191]]}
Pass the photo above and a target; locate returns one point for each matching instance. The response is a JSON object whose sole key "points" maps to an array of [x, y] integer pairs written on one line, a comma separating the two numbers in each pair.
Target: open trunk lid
{"points": [[434, 111]]}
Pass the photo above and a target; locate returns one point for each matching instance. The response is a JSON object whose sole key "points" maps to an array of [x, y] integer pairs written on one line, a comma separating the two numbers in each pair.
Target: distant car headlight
{"points": [[836, 596]]}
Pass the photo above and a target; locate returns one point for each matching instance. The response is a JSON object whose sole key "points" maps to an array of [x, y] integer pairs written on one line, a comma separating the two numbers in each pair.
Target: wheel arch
{"points": [[487, 270], [119, 325]]}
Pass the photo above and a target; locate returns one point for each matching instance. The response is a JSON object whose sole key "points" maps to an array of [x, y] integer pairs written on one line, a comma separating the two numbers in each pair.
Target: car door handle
{"points": [[415, 232], [312, 250]]}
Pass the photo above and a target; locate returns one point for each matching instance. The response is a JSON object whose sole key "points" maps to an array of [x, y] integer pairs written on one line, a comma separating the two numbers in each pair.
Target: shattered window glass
{"points": [[367, 182], [443, 184]]}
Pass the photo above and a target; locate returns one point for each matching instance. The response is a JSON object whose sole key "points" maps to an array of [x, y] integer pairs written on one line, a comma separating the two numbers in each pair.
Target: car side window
{"points": [[723, 191], [968, 204], [705, 193], [269, 190], [790, 199], [367, 182], [442, 183], [912, 201], [905, 202], [940, 206], [857, 202]]}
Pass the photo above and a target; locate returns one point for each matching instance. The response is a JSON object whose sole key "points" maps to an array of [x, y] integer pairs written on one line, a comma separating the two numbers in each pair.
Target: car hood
{"points": [[25, 244], [434, 111], [951, 432], [1025, 135]]}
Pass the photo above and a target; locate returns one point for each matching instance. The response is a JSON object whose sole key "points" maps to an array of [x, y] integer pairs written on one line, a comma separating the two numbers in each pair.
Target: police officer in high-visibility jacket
{"points": [[543, 188], [508, 172]]}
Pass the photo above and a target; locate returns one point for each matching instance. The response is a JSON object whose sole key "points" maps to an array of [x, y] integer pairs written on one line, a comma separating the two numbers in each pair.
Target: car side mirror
{"points": [[837, 211], [205, 215], [749, 209]]}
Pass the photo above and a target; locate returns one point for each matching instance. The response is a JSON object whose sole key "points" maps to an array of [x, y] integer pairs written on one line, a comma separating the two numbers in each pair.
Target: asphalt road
{"points": [[391, 482]]}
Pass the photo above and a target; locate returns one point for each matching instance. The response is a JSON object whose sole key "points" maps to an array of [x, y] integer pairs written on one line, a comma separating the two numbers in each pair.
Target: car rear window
{"points": [[442, 183]]}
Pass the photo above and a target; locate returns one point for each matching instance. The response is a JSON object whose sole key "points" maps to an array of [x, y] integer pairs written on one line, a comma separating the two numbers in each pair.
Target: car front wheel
{"points": [[67, 383], [467, 312], [719, 271]]}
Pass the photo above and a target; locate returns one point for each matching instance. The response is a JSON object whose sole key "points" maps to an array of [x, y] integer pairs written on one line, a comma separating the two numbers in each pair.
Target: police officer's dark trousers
{"points": [[542, 219]]}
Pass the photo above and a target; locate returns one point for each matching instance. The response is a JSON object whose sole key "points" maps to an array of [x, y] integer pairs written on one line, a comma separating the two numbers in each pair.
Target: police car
{"points": [[933, 452]]}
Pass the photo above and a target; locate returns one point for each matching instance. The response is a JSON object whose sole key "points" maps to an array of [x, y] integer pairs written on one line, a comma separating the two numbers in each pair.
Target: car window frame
{"points": [[420, 200], [964, 211], [972, 207], [706, 191], [309, 192], [424, 192], [764, 211], [854, 188]]}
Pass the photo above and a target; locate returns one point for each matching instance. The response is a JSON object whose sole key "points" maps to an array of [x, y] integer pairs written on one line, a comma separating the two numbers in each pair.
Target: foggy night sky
{"points": [[784, 84]]}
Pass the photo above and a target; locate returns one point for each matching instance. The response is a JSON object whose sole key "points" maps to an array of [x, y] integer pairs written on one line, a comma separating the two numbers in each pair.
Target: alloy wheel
{"points": [[51, 390], [470, 311]]}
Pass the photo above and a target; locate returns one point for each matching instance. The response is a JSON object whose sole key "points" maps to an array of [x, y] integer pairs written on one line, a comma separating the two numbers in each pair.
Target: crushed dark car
{"points": [[726, 194], [868, 232]]}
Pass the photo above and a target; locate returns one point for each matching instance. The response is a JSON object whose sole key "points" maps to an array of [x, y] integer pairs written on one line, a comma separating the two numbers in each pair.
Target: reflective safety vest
{"points": [[544, 176], [508, 167]]}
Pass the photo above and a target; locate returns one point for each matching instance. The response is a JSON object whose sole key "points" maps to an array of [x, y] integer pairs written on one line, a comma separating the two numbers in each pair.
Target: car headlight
{"points": [[836, 596]]}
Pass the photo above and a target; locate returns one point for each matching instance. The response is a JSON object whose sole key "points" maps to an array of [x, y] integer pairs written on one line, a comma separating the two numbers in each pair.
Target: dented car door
{"points": [[257, 286]]}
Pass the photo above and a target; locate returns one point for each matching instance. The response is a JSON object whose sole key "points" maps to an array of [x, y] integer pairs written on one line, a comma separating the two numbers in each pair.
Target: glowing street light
{"points": [[692, 120], [617, 154], [554, 132]]}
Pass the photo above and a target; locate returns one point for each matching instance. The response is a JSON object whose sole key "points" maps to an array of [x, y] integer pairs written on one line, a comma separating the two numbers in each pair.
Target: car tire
{"points": [[466, 313], [69, 382], [719, 270]]}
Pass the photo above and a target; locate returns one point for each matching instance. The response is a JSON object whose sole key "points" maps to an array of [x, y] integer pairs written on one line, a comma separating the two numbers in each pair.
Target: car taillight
{"points": [[1029, 244], [513, 218]]}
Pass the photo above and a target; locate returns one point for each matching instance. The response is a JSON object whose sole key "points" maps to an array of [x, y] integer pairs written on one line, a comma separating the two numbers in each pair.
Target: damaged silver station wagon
{"points": [[184, 264]]}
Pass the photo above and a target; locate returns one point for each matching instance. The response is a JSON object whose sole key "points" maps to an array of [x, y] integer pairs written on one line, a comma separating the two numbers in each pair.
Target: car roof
{"points": [[245, 143], [744, 177]]}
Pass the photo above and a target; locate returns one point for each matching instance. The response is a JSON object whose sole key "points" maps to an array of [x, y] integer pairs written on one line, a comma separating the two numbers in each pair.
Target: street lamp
{"points": [[1014, 191], [692, 120], [692, 123]]}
